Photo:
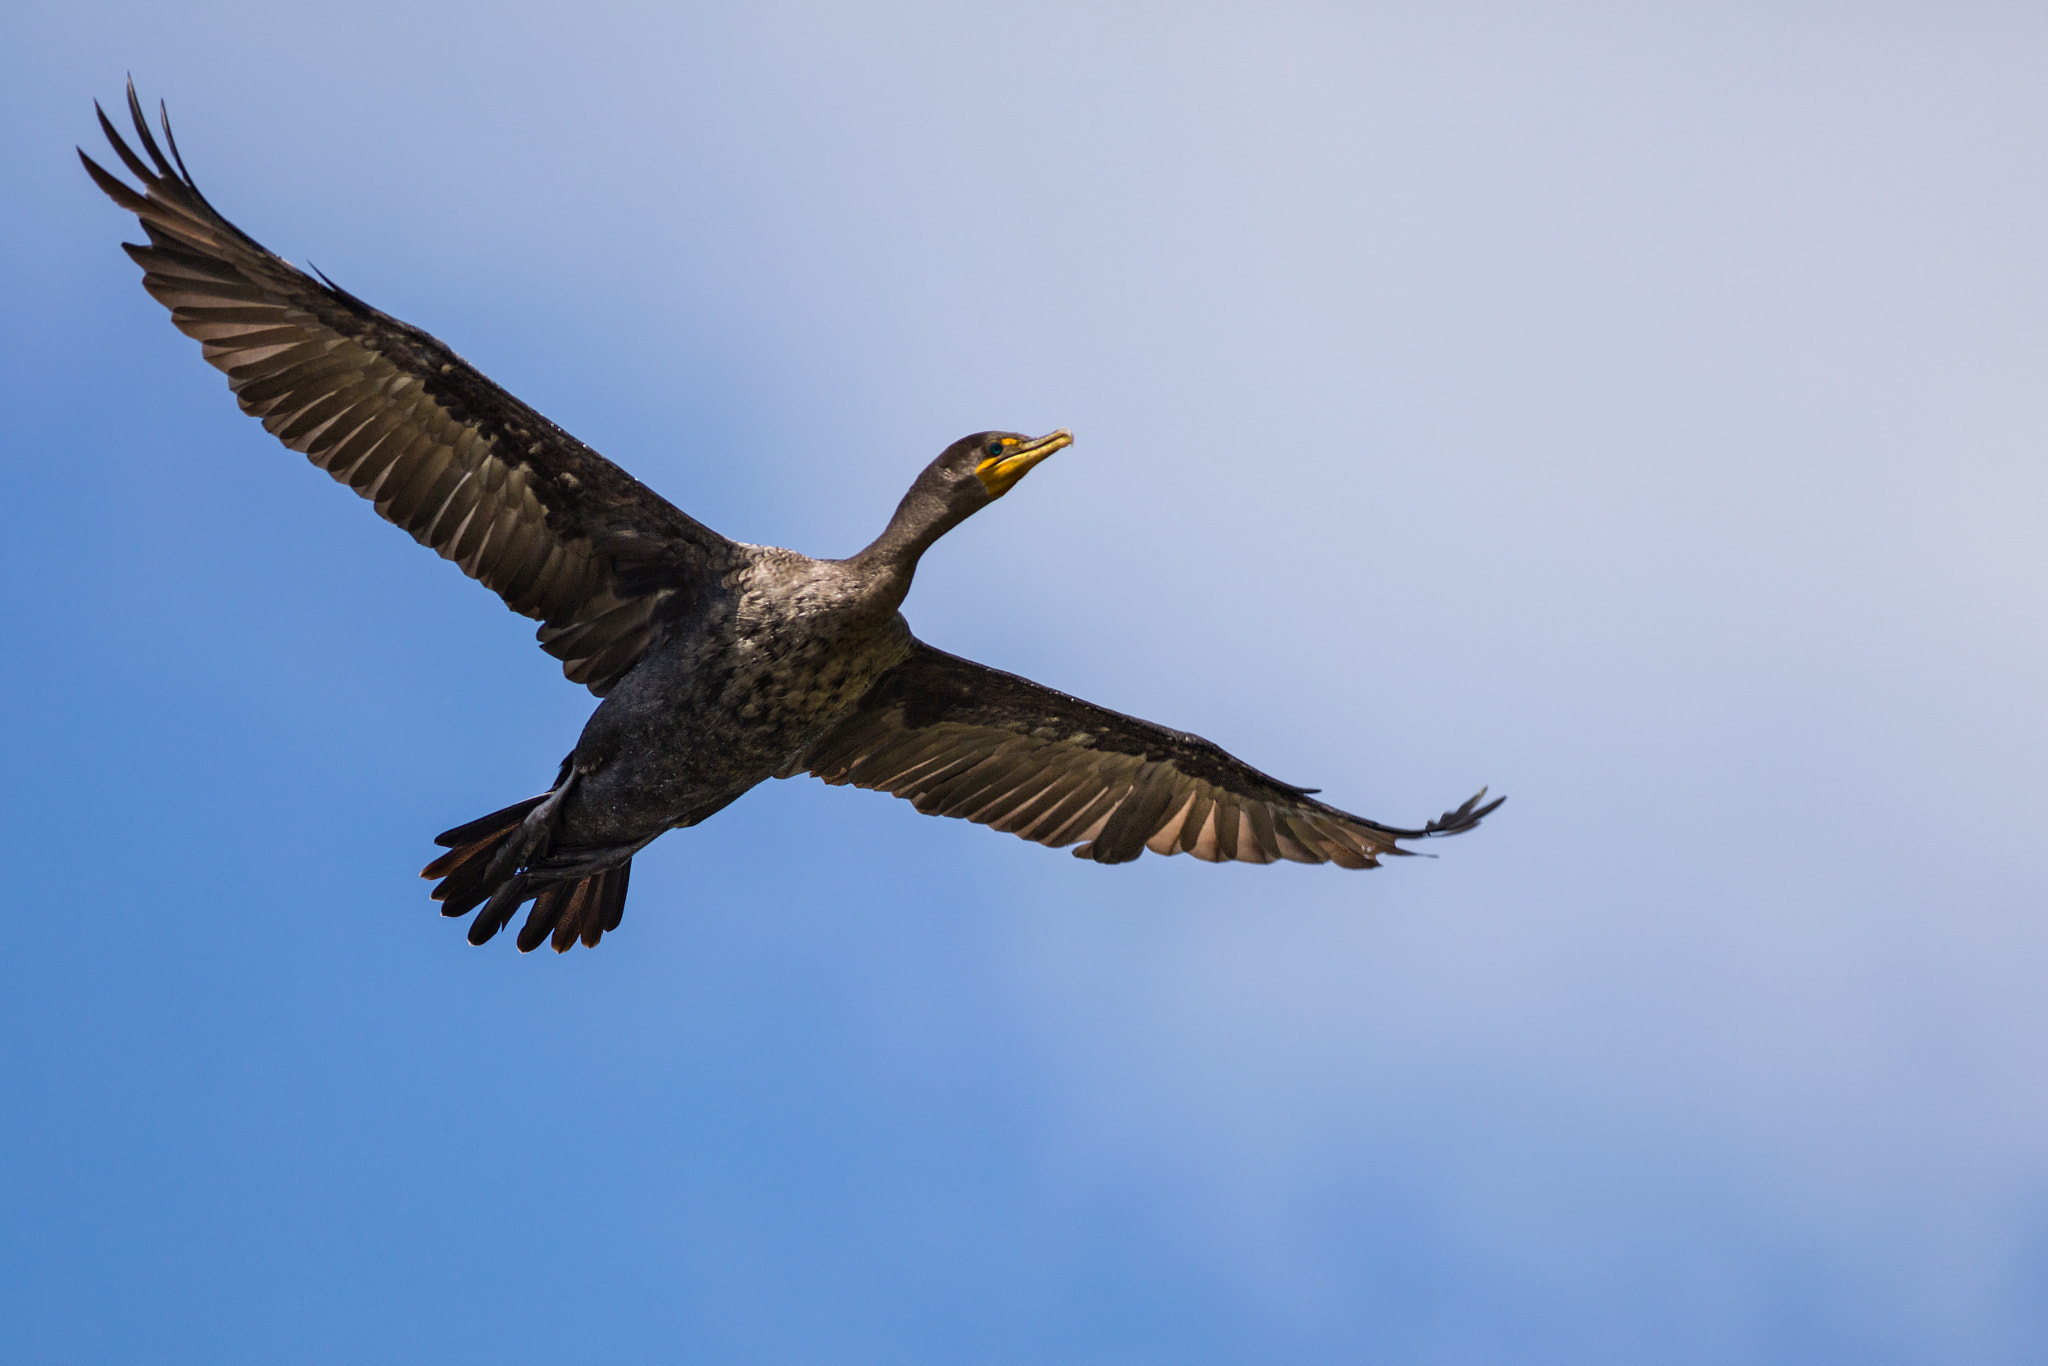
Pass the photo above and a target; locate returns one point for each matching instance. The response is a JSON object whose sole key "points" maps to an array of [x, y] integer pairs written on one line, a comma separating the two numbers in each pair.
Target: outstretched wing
{"points": [[555, 529], [961, 739]]}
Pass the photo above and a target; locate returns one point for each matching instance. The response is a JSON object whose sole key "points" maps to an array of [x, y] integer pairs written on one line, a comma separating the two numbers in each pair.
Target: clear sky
{"points": [[1638, 408]]}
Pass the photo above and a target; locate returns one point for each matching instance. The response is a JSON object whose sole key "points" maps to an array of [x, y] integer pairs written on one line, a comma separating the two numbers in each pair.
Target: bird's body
{"points": [[738, 688], [719, 664]]}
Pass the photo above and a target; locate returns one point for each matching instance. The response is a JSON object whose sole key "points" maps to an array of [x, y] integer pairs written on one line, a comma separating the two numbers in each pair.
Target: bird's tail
{"points": [[490, 863]]}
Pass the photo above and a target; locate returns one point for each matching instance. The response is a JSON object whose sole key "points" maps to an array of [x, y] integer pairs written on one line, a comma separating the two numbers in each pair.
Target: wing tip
{"points": [[1459, 819]]}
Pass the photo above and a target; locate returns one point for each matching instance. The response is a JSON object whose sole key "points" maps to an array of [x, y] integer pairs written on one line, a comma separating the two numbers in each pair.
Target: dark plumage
{"points": [[720, 664]]}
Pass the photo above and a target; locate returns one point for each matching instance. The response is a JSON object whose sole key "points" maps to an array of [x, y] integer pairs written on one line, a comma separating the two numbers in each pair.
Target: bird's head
{"points": [[968, 475], [976, 470]]}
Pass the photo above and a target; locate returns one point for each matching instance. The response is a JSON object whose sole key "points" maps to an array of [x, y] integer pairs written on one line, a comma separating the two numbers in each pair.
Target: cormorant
{"points": [[720, 664]]}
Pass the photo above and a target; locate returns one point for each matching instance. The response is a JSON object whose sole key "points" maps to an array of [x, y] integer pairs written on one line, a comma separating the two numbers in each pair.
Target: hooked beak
{"points": [[999, 472]]}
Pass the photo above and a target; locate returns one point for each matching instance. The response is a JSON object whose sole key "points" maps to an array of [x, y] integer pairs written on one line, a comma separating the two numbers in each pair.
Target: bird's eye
{"points": [[995, 446]]}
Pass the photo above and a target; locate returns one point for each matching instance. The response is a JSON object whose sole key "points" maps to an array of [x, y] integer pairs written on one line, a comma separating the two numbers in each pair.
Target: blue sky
{"points": [[1638, 409]]}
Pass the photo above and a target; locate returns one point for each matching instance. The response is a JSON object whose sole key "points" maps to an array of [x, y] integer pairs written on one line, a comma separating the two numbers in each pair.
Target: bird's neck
{"points": [[891, 559]]}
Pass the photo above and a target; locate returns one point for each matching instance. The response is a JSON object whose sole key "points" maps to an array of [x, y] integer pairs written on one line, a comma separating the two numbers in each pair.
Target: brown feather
{"points": [[403, 420]]}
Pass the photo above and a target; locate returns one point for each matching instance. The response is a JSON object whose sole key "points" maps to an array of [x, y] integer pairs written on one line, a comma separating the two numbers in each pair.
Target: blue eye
{"points": [[995, 448]]}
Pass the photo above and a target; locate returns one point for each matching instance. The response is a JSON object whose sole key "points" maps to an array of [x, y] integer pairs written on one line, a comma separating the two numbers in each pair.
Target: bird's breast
{"points": [[790, 646], [733, 694]]}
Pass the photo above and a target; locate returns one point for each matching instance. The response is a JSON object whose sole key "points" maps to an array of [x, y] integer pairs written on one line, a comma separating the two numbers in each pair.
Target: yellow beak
{"points": [[999, 472]]}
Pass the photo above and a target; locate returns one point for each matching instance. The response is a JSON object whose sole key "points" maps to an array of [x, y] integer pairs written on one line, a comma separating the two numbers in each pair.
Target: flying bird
{"points": [[719, 664]]}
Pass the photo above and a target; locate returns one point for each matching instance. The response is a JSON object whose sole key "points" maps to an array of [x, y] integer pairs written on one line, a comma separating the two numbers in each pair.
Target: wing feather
{"points": [[458, 463], [961, 739]]}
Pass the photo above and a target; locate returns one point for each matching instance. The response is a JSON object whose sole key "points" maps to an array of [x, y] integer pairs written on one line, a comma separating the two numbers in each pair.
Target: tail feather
{"points": [[577, 920], [545, 915], [615, 905], [465, 869], [490, 863], [484, 828], [499, 910], [453, 859], [466, 884], [580, 910]]}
